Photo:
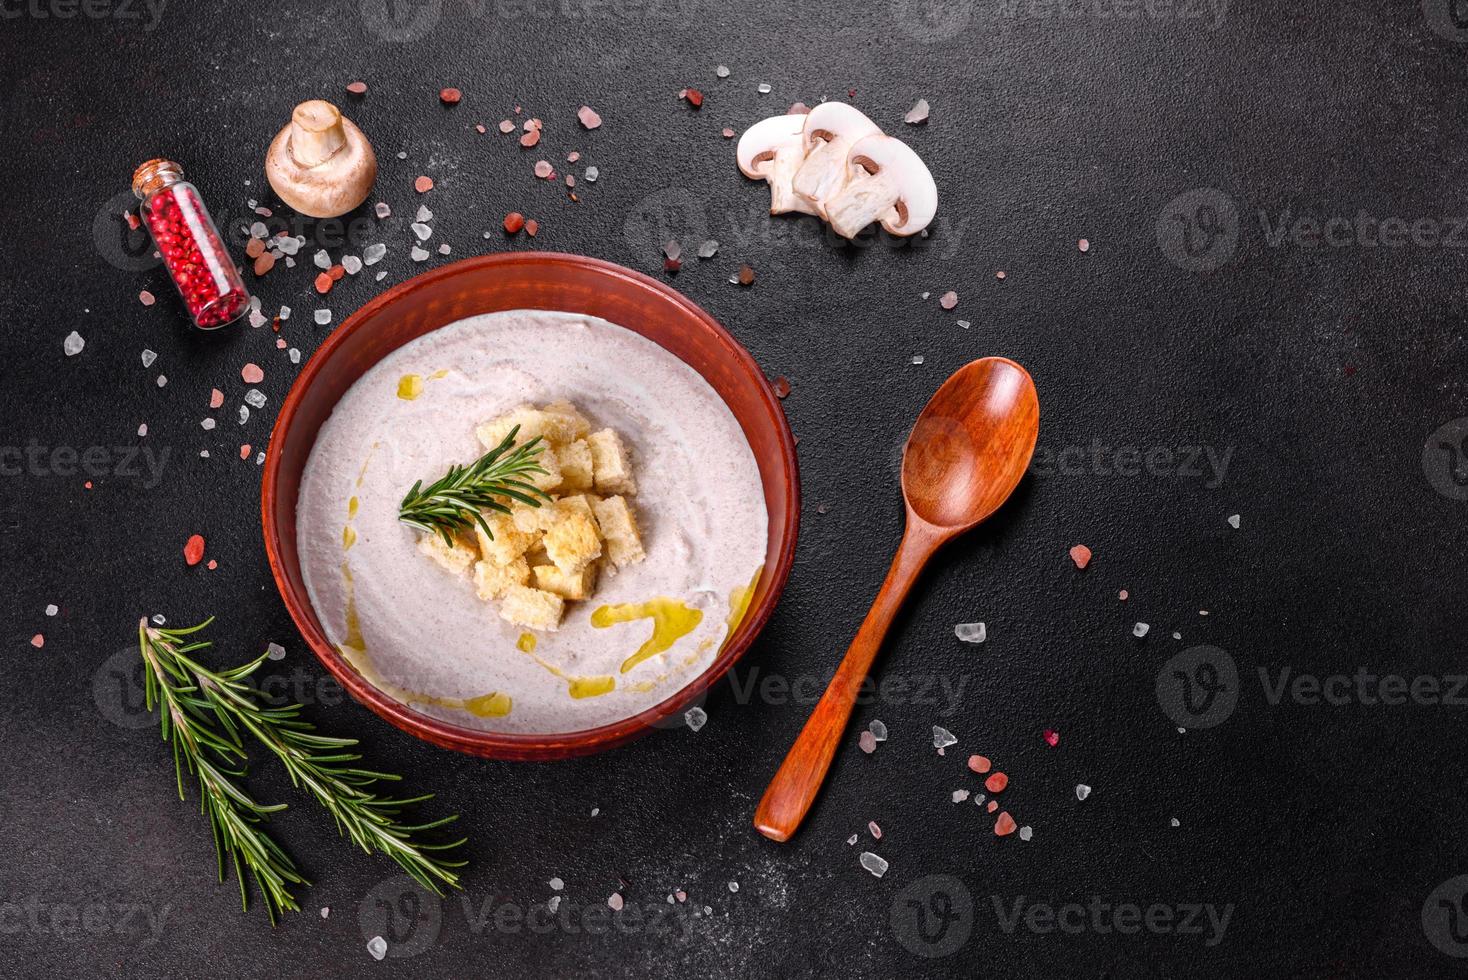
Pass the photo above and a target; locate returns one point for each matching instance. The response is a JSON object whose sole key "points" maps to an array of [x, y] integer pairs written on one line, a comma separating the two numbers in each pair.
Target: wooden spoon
{"points": [[971, 445]]}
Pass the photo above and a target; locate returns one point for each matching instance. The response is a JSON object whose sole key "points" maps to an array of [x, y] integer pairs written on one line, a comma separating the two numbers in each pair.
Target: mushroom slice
{"points": [[830, 130], [772, 150], [886, 182], [320, 163]]}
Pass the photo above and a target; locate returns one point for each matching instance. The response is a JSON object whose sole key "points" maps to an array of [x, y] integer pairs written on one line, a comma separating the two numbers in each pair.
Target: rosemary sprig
{"points": [[188, 719], [317, 763], [456, 501]]}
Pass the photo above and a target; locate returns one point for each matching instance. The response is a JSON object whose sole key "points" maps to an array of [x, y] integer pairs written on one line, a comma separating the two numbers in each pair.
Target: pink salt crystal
{"points": [[979, 764], [506, 126], [38, 641], [280, 343], [681, 895], [588, 117], [1122, 595], [543, 169], [479, 128], [423, 185], [875, 830], [999, 274], [1052, 737], [1081, 555], [868, 742], [728, 133], [216, 398], [146, 298], [799, 109], [252, 374], [615, 902], [245, 451], [357, 88], [570, 180], [1084, 244], [572, 157], [948, 300], [530, 138]]}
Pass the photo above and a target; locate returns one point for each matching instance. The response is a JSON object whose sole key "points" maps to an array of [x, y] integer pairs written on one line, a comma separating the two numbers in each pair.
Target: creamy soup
{"points": [[421, 634]]}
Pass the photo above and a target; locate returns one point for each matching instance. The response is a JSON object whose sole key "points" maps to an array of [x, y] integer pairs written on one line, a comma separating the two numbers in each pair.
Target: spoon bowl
{"points": [[966, 454], [971, 444]]}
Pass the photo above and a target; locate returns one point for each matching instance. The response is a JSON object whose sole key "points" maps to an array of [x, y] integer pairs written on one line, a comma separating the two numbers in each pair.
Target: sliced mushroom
{"points": [[830, 130], [320, 163], [772, 150], [887, 182]]}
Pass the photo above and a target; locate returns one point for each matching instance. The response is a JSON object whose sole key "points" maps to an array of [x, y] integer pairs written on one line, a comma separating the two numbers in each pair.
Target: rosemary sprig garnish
{"points": [[455, 502], [205, 712]]}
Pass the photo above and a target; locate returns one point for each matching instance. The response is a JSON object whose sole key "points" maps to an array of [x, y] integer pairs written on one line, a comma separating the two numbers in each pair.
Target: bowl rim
{"points": [[515, 745]]}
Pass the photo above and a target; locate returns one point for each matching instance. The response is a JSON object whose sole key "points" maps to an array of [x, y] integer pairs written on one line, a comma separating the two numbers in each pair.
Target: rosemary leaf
{"points": [[455, 502]]}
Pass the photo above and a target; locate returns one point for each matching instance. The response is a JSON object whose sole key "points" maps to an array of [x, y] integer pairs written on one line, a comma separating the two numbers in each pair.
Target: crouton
{"points": [[619, 529], [551, 478], [579, 503], [532, 608], [456, 557], [611, 462], [555, 428], [532, 520], [492, 581], [508, 543], [572, 424], [572, 542], [576, 585], [576, 465]]}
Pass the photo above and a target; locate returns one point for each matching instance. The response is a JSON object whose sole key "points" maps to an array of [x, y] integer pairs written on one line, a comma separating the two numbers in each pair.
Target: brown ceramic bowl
{"points": [[543, 281]]}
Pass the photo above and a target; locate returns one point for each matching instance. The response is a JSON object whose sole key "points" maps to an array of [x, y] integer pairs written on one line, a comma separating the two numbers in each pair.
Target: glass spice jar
{"points": [[190, 245]]}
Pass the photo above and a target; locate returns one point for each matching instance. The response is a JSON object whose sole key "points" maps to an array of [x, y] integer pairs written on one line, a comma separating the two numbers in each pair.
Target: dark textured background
{"points": [[1321, 370]]}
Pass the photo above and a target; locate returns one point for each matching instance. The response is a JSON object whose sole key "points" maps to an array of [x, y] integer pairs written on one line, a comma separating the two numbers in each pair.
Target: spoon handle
{"points": [[794, 788]]}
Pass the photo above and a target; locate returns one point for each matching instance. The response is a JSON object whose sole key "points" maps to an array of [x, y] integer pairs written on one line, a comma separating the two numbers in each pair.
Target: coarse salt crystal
{"points": [[696, 718], [917, 358], [275, 651], [878, 730], [614, 902], [971, 632], [255, 398], [51, 610], [372, 254], [322, 259], [722, 71], [1140, 630], [867, 742], [143, 429], [876, 865], [149, 357], [733, 886], [942, 738], [73, 344], [423, 232], [352, 264], [556, 884], [591, 174], [244, 414], [418, 254], [444, 249], [382, 209], [852, 839], [207, 423], [708, 249], [763, 88], [918, 113], [959, 795], [1082, 791], [294, 355], [1234, 521], [1025, 833], [322, 317], [377, 946]]}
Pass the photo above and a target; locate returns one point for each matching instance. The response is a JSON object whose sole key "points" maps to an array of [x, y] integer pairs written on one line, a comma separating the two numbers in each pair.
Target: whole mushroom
{"points": [[321, 164], [772, 150], [830, 130], [887, 182]]}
